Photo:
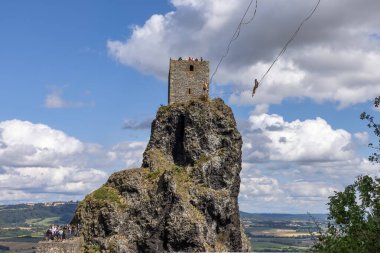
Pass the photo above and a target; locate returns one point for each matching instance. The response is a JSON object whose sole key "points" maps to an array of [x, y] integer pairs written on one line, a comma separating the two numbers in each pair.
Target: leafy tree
{"points": [[354, 219], [354, 213], [375, 157]]}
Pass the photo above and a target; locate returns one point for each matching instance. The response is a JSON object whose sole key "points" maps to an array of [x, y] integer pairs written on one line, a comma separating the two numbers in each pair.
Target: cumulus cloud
{"points": [[314, 190], [264, 188], [334, 57], [270, 137], [28, 144], [297, 187], [39, 163], [260, 109], [263, 193], [340, 173], [128, 152], [294, 166]]}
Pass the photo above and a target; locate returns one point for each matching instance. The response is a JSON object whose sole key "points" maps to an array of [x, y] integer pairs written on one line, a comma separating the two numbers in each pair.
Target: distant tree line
{"points": [[16, 215]]}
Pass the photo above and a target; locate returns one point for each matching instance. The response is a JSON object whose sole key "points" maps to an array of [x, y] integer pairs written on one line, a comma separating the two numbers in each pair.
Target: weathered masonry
{"points": [[188, 79]]}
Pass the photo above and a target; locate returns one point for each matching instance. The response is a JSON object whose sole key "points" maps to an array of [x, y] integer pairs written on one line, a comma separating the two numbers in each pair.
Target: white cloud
{"points": [[295, 166], [28, 144], [38, 163], [293, 187], [333, 58], [311, 190], [260, 109], [139, 50], [299, 189], [270, 137], [16, 196], [129, 152], [362, 138], [264, 188], [264, 193], [58, 179]]}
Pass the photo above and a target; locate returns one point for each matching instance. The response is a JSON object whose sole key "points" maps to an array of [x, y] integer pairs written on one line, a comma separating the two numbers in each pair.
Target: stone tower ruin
{"points": [[188, 79]]}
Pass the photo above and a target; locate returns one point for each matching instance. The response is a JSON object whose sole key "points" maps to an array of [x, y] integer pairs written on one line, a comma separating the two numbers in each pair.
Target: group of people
{"points": [[62, 232], [191, 59]]}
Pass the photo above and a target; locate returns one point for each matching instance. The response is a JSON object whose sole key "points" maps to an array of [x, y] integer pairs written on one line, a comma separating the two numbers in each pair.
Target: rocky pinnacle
{"points": [[184, 198]]}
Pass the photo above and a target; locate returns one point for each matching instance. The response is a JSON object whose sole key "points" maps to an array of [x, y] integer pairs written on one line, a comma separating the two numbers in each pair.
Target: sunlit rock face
{"points": [[184, 198]]}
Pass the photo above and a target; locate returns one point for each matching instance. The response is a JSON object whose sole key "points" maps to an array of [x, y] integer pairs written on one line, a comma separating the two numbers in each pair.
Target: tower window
{"points": [[189, 91], [191, 67]]}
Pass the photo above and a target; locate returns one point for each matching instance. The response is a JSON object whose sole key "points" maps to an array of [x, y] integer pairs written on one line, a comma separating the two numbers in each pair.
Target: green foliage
{"points": [[355, 212], [91, 249], [375, 156], [157, 160], [106, 194], [28, 223], [178, 169], [203, 159], [163, 110], [355, 219], [154, 175]]}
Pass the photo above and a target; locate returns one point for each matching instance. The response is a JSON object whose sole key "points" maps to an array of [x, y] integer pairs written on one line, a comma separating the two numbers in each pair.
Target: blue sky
{"points": [[54, 45], [81, 80]]}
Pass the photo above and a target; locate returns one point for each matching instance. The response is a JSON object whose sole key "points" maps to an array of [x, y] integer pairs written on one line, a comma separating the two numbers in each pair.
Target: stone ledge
{"points": [[67, 246]]}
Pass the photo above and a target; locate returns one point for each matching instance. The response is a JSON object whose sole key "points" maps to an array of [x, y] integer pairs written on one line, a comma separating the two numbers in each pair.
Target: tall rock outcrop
{"points": [[184, 198]]}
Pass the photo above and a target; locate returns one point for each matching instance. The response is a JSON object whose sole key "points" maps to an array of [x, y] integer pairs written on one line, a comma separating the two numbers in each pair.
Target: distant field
{"points": [[280, 232], [274, 233], [22, 226], [45, 222], [275, 247]]}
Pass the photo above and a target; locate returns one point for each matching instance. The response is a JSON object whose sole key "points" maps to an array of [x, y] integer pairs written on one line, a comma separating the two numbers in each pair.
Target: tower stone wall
{"points": [[188, 79]]}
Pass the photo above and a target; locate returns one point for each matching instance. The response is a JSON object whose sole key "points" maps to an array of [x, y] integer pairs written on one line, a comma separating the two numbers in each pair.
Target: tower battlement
{"points": [[188, 79]]}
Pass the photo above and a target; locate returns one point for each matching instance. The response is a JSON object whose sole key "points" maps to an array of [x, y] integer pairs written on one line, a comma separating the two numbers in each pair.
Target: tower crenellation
{"points": [[188, 79]]}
